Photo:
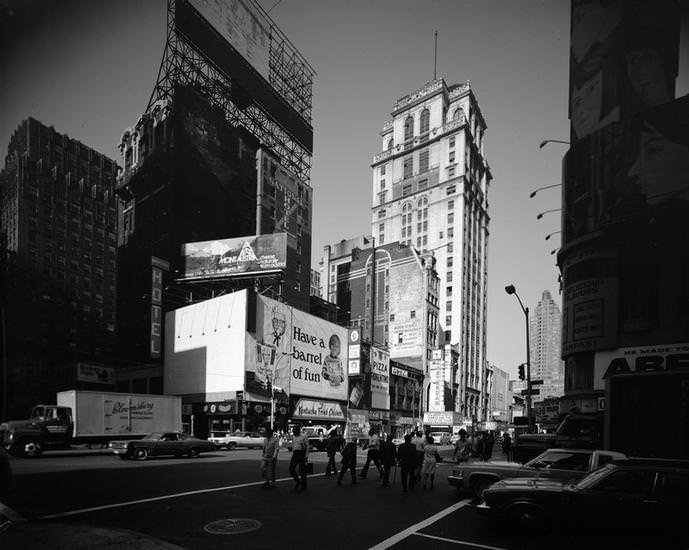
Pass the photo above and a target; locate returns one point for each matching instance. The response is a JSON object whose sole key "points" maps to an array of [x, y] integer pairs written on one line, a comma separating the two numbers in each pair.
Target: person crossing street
{"points": [[373, 454]]}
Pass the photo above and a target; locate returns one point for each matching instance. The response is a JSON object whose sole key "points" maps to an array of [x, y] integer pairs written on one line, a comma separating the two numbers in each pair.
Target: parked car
{"points": [[161, 443], [237, 439], [651, 494], [560, 464], [6, 482]]}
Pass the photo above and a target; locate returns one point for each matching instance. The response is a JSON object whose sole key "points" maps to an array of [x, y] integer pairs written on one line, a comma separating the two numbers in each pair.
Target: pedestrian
{"points": [[488, 446], [388, 456], [462, 447], [271, 447], [348, 461], [419, 443], [332, 445], [481, 445], [430, 459], [506, 445], [373, 454], [300, 454], [406, 456]]}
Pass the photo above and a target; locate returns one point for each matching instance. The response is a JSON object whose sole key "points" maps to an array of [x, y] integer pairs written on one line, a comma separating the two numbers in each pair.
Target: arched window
{"points": [[425, 121], [457, 114], [408, 128], [390, 143]]}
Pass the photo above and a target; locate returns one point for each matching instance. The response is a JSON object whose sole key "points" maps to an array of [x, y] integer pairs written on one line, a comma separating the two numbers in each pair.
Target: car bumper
{"points": [[485, 510], [456, 481], [120, 451]]}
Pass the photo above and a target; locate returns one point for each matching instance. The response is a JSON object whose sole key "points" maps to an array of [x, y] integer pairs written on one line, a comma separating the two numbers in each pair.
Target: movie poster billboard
{"points": [[254, 254], [380, 379]]}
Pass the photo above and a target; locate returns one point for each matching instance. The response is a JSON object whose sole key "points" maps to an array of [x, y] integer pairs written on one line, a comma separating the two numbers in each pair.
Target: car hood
{"points": [[535, 438], [528, 484], [19, 425]]}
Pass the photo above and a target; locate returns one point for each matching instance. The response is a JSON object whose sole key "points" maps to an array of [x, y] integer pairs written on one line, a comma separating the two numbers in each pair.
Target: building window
{"points": [[448, 306], [392, 317], [452, 141], [381, 213], [423, 184], [408, 128], [423, 160], [418, 242], [451, 172], [452, 156], [449, 277], [451, 190], [448, 291], [412, 314], [450, 261], [382, 170], [406, 190], [382, 184], [451, 218], [408, 167], [381, 227], [448, 321], [381, 238]]}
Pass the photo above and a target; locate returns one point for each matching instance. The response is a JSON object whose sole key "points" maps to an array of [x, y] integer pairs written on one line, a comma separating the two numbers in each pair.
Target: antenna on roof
{"points": [[435, 58]]}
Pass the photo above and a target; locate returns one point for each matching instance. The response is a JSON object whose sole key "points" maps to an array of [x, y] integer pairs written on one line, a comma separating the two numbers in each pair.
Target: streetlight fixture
{"points": [[533, 193], [547, 212], [511, 290], [553, 251], [547, 237], [546, 141]]}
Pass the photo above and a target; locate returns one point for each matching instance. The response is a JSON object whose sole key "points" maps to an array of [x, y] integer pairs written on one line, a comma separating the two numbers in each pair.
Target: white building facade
{"points": [[546, 363], [430, 190]]}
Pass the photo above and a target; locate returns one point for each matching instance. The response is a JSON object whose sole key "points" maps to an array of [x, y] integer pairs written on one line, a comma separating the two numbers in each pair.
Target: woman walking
{"points": [[430, 459]]}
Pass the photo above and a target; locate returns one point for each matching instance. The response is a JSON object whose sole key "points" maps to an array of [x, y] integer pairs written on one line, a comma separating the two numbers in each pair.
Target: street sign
{"points": [[536, 382], [534, 391]]}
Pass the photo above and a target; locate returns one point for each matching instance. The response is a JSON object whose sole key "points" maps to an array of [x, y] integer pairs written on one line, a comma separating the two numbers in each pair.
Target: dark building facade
{"points": [[58, 228], [188, 176]]}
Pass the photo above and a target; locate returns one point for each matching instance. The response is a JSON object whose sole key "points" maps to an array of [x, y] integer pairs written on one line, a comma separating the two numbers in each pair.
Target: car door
{"points": [[168, 444], [626, 497]]}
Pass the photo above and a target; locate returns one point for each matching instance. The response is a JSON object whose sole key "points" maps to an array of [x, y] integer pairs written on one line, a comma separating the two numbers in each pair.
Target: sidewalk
{"points": [[16, 532]]}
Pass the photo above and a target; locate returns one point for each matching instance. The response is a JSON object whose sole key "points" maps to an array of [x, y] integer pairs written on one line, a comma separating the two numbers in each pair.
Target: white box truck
{"points": [[91, 417]]}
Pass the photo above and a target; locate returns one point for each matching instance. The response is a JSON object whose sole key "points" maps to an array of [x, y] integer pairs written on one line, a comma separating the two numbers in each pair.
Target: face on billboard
{"points": [[587, 102], [647, 76]]}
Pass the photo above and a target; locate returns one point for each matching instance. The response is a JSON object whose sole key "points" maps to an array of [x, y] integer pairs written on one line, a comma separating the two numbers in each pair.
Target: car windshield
{"points": [[594, 477], [561, 460], [154, 435]]}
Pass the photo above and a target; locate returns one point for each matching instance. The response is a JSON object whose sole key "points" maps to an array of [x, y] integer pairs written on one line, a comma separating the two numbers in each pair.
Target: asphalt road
{"points": [[180, 500]]}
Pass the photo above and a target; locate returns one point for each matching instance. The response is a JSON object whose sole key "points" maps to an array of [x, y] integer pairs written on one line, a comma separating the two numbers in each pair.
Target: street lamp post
{"points": [[511, 290], [533, 193], [547, 141], [539, 216]]}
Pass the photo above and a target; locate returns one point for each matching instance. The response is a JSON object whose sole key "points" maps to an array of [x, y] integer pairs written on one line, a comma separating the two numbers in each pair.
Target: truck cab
{"points": [[55, 422]]}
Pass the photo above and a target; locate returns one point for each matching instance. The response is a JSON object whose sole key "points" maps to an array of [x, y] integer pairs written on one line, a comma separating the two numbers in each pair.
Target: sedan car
{"points": [[161, 443], [560, 464], [237, 439], [649, 493]]}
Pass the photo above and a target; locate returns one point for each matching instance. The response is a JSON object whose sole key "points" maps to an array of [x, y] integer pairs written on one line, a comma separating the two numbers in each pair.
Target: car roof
{"points": [[651, 462]]}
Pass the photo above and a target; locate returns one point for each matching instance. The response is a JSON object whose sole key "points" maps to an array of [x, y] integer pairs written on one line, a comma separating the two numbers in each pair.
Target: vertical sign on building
{"points": [[157, 267], [354, 367], [380, 379]]}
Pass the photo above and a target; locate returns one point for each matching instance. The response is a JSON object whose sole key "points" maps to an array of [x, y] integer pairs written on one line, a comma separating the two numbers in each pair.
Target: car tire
{"points": [[140, 453], [194, 453], [479, 484], [525, 516], [231, 446]]}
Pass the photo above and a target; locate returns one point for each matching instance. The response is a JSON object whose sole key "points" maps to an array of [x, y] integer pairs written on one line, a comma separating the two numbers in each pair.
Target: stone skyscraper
{"points": [[546, 363]]}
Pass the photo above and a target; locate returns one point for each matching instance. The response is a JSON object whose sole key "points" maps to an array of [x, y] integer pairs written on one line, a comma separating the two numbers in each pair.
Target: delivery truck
{"points": [[91, 417]]}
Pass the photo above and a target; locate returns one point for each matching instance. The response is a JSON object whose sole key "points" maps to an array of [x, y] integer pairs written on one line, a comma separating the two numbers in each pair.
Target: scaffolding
{"points": [[290, 75]]}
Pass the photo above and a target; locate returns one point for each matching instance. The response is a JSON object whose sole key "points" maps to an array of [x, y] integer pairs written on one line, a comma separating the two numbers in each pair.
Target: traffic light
{"points": [[521, 372]]}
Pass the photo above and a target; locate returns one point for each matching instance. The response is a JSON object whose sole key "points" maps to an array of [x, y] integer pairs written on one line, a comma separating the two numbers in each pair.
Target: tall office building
{"points": [[58, 227], [430, 190], [545, 331]]}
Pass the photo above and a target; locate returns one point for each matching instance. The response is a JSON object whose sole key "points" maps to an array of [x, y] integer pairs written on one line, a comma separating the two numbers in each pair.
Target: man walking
{"points": [[332, 445], [406, 455], [348, 461], [462, 447], [300, 454], [271, 447], [419, 444], [373, 454], [388, 456]]}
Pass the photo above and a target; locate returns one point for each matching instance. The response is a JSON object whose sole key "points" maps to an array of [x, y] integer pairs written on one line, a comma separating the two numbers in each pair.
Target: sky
{"points": [[88, 68]]}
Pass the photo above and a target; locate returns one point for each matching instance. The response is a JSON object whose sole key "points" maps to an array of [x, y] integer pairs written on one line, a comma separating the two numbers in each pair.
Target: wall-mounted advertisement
{"points": [[95, 373], [590, 301], [233, 257], [319, 357], [319, 410], [656, 358], [406, 338], [380, 379]]}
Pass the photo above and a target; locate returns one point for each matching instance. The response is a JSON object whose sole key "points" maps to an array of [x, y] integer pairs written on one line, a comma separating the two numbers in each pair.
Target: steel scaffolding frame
{"points": [[290, 75]]}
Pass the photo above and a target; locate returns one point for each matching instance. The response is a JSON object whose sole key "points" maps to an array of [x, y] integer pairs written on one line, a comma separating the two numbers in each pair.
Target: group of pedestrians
{"points": [[480, 446]]}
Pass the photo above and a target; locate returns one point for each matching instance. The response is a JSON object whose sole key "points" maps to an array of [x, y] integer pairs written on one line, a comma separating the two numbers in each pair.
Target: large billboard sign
{"points": [[242, 26], [302, 354], [235, 257]]}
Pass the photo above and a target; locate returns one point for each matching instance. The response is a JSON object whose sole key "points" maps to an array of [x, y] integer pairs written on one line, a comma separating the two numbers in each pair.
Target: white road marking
{"points": [[387, 543], [454, 541], [163, 497]]}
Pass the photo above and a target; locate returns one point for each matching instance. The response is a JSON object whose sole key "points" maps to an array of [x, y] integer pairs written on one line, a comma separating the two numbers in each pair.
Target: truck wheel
{"points": [[231, 446], [31, 448], [479, 484], [141, 453], [194, 453]]}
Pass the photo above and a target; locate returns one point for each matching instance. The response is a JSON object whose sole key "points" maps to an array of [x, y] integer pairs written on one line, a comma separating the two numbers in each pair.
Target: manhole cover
{"points": [[232, 526]]}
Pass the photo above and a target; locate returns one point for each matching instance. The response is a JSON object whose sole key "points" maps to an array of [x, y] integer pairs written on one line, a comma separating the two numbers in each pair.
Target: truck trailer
{"points": [[90, 417]]}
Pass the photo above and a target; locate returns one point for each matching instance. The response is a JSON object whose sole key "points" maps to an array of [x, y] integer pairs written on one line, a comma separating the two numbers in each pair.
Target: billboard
{"points": [[242, 26], [406, 338], [307, 354], [380, 379], [233, 257]]}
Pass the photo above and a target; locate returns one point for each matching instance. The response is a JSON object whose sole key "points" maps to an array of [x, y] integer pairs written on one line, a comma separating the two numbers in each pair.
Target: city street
{"points": [[178, 500]]}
